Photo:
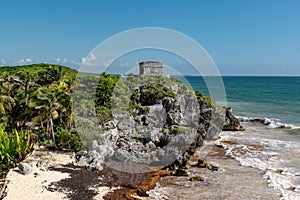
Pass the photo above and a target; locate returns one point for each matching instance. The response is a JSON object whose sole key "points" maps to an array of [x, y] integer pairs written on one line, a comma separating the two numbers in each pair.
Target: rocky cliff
{"points": [[163, 129]]}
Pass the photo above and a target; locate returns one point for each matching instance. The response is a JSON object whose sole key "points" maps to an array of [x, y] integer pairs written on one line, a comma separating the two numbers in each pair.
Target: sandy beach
{"points": [[37, 184], [34, 185], [55, 175]]}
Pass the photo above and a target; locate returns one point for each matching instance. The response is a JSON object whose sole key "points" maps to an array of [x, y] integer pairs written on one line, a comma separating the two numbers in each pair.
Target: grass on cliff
{"points": [[207, 99]]}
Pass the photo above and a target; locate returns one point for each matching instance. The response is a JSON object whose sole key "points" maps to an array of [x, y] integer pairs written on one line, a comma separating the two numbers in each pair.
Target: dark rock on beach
{"points": [[24, 168], [179, 172], [205, 164], [196, 178], [231, 122]]}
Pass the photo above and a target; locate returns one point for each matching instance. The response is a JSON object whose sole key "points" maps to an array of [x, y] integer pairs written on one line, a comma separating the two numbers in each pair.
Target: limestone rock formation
{"points": [[231, 122], [165, 134]]}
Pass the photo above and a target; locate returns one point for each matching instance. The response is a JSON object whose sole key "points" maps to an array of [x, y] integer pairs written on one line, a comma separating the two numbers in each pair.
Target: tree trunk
{"points": [[26, 95], [52, 130], [70, 120], [48, 128]]}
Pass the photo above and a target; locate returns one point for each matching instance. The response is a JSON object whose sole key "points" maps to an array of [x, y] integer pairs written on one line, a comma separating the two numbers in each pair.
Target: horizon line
{"points": [[223, 75]]}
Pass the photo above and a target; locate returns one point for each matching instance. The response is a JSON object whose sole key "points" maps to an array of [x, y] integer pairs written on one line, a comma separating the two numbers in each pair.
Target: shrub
{"points": [[14, 147], [67, 140], [198, 94], [152, 92]]}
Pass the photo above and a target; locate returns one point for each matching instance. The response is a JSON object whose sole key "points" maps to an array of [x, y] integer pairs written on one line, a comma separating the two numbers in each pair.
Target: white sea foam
{"points": [[283, 183], [158, 193], [278, 158], [270, 123], [276, 124], [249, 119]]}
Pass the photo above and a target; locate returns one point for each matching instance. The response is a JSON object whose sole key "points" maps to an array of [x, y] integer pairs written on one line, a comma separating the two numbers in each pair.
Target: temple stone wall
{"points": [[151, 68]]}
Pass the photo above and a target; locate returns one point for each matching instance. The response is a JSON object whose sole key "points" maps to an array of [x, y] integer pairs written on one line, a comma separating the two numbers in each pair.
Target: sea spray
{"points": [[270, 123], [269, 150]]}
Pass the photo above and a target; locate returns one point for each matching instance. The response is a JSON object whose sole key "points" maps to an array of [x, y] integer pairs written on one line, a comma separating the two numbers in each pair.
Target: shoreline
{"points": [[273, 151], [231, 181], [70, 181]]}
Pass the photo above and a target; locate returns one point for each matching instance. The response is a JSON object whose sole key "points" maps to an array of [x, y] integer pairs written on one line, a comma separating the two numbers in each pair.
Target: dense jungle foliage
{"points": [[36, 105]]}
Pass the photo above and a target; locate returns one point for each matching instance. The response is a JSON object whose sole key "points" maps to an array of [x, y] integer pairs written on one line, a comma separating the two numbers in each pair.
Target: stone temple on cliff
{"points": [[151, 68]]}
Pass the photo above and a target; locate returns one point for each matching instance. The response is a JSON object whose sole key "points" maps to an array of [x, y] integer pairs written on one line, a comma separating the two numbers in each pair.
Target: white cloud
{"points": [[65, 60], [3, 61], [92, 56], [24, 61], [89, 60], [92, 60], [61, 61], [75, 63], [57, 60]]}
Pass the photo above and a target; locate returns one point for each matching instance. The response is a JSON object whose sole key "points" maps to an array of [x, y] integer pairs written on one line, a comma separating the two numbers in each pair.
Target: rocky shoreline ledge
{"points": [[209, 174], [230, 181], [131, 152], [47, 174]]}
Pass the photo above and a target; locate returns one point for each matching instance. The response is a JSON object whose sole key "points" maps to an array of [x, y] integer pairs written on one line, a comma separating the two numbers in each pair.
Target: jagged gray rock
{"points": [[166, 135], [24, 168], [231, 122]]}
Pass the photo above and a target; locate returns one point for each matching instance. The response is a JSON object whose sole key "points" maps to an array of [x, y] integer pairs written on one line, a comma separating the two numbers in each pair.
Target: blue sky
{"points": [[244, 37]]}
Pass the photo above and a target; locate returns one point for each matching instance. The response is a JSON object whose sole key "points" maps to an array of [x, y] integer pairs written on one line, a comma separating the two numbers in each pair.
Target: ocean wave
{"points": [[270, 123], [266, 155]]}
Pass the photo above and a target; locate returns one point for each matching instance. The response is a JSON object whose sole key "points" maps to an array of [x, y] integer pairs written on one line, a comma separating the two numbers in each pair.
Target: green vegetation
{"points": [[132, 95], [177, 129], [104, 94], [207, 99], [36, 106], [13, 147]]}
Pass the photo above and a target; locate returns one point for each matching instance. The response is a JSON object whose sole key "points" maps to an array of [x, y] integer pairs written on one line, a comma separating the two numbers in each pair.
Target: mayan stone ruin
{"points": [[151, 68]]}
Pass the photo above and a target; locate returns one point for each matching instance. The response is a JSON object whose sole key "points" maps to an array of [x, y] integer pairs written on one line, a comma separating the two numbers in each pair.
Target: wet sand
{"points": [[231, 181]]}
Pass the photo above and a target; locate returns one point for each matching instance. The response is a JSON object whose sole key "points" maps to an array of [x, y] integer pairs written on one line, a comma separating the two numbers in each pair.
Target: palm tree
{"points": [[6, 101], [45, 102], [26, 82]]}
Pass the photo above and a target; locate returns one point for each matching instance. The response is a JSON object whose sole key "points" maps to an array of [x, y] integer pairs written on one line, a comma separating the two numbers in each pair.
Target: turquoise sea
{"points": [[276, 100]]}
